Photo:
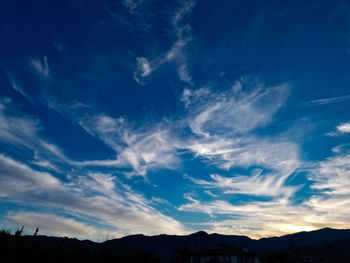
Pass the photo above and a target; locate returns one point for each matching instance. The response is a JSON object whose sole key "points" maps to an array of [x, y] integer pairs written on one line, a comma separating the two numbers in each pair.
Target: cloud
{"points": [[141, 149], [330, 100], [17, 130], [41, 66], [132, 5], [272, 185], [234, 111], [23, 132], [220, 125], [143, 67], [176, 54], [93, 195], [331, 183], [223, 124], [279, 154], [255, 219], [17, 87], [221, 142], [327, 206], [19, 179], [344, 127], [51, 224], [333, 176], [85, 193], [265, 218]]}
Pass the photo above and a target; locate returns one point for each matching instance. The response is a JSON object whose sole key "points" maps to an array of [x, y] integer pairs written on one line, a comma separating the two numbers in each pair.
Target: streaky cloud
{"points": [[41, 66], [92, 195], [176, 54], [141, 149], [24, 132], [272, 185], [132, 5], [330, 100], [233, 110]]}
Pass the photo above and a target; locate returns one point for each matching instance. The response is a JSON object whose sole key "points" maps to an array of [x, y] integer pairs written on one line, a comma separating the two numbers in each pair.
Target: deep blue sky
{"points": [[145, 116]]}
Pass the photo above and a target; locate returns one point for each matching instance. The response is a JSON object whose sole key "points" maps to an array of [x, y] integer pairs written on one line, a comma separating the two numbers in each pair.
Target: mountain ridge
{"points": [[164, 246]]}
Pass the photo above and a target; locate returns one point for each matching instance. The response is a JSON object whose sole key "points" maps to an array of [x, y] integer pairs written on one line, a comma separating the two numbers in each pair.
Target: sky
{"points": [[149, 116]]}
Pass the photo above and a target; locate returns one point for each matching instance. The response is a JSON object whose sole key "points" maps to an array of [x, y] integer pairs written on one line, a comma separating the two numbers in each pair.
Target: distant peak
{"points": [[199, 233]]}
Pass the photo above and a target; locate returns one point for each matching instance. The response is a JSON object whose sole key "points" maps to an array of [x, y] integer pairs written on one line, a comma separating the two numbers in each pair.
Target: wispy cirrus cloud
{"points": [[141, 149], [143, 68], [234, 110], [41, 66], [224, 125], [330, 100], [18, 87], [327, 206], [83, 193], [270, 218], [93, 194], [255, 219], [333, 176], [182, 31], [246, 152], [272, 185], [23, 132], [225, 143], [132, 5]]}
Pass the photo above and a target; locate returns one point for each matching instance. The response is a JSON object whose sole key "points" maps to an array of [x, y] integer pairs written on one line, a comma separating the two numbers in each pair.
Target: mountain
{"points": [[166, 247], [301, 239]]}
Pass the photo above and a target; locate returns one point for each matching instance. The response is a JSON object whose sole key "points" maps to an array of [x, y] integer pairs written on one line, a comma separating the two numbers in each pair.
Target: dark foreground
{"points": [[324, 245]]}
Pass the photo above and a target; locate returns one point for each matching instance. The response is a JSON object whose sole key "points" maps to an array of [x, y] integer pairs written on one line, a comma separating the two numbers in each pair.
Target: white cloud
{"points": [[19, 178], [224, 123], [17, 87], [221, 123], [265, 218], [344, 127], [333, 176], [328, 206], [245, 152], [23, 132], [42, 162], [17, 130], [176, 53], [142, 150], [143, 69], [330, 100], [233, 111], [255, 219], [210, 193], [93, 195], [41, 66], [272, 185]]}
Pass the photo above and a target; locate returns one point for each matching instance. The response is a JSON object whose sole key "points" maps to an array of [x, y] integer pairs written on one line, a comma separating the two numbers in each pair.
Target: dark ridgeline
{"points": [[324, 245]]}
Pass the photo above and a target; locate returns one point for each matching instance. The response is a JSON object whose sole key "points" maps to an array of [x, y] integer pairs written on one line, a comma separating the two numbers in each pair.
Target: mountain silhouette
{"points": [[165, 247]]}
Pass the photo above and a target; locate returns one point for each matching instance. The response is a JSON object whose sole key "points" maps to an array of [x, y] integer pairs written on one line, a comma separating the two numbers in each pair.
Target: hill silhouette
{"points": [[164, 245], [327, 242]]}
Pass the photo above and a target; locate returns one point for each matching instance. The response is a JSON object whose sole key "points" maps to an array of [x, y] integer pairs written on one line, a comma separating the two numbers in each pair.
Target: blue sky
{"points": [[145, 116]]}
